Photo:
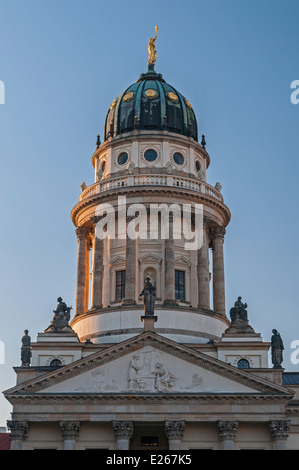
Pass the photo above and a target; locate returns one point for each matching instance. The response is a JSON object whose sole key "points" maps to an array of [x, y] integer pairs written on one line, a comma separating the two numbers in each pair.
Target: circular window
{"points": [[55, 363], [128, 96], [150, 155], [173, 96], [122, 158], [243, 364], [113, 104], [178, 158], [188, 103], [150, 93]]}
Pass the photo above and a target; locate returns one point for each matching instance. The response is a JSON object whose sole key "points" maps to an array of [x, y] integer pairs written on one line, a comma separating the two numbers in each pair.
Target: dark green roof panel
{"points": [[151, 104]]}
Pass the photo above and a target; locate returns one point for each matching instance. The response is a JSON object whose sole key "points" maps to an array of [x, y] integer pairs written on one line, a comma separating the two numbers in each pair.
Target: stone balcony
{"points": [[170, 181]]}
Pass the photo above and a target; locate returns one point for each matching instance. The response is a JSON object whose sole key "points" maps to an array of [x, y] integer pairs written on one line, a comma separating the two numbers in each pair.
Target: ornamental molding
{"points": [[150, 259], [183, 152], [149, 146], [168, 191], [182, 261], [83, 233], [217, 232], [53, 357], [227, 430], [174, 429], [279, 430], [18, 429], [122, 429], [103, 158], [148, 399], [238, 358], [117, 152], [70, 429], [135, 344]]}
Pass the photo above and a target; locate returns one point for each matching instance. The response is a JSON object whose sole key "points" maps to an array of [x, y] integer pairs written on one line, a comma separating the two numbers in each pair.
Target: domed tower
{"points": [[149, 162]]}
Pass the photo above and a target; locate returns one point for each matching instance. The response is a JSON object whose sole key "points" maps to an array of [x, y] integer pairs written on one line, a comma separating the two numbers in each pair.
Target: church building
{"points": [[149, 358]]}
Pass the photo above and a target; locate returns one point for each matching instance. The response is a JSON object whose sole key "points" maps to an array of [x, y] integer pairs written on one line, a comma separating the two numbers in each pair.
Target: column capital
{"points": [[227, 430], [70, 429], [279, 430], [95, 219], [206, 221], [217, 231], [18, 429], [123, 429], [83, 232], [174, 429]]}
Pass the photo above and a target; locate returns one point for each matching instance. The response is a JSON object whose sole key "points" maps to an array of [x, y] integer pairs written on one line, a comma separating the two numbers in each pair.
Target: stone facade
{"points": [[175, 380]]}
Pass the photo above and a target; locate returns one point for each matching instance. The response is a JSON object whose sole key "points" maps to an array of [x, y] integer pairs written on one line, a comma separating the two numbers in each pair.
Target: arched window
{"points": [[243, 364], [55, 363]]}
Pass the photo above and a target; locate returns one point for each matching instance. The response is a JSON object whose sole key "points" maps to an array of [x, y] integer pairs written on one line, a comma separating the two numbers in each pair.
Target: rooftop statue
{"points": [[152, 53], [61, 317], [149, 294], [26, 349], [238, 311], [276, 350]]}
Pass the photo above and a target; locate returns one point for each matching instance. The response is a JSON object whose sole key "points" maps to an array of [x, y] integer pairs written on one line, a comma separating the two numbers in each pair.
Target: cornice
{"points": [[149, 399], [168, 191]]}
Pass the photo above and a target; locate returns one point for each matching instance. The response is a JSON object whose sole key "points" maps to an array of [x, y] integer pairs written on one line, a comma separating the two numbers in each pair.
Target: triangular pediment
{"points": [[150, 258], [149, 364]]}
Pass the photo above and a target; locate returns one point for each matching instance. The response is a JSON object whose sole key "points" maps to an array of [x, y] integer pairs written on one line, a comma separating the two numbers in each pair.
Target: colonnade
{"points": [[213, 236]]}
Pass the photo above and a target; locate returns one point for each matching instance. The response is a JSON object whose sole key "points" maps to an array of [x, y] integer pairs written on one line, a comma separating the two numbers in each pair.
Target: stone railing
{"points": [[150, 180]]}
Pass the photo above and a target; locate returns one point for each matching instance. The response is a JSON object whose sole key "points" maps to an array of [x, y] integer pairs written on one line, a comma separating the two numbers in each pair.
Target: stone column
{"points": [[169, 298], [97, 269], [83, 235], [130, 286], [279, 434], [174, 431], [123, 431], [203, 269], [217, 235], [70, 432], [18, 433], [227, 431]]}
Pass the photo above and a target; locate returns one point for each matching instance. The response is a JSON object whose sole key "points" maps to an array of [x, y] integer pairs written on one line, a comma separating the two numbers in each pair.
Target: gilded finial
{"points": [[152, 53]]}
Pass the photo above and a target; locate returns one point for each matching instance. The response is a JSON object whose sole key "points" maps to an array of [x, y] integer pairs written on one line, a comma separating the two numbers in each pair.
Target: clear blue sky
{"points": [[63, 63]]}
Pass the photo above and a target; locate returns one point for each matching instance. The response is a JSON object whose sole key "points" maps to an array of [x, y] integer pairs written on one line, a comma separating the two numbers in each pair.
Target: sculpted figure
{"points": [[238, 312], [133, 371], [152, 53], [163, 378], [277, 348], [61, 317], [26, 349], [149, 294]]}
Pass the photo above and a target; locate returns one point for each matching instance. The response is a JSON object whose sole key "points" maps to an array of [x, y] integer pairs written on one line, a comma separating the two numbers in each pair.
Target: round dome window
{"points": [[243, 364], [150, 155], [178, 158], [122, 158]]}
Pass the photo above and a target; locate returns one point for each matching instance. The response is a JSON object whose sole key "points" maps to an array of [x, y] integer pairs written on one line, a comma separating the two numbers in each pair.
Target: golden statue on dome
{"points": [[152, 53]]}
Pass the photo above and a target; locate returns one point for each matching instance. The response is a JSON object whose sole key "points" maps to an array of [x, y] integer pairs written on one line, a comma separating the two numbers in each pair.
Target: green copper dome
{"points": [[151, 104]]}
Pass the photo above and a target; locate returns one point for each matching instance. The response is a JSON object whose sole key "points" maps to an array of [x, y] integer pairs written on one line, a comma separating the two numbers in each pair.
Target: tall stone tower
{"points": [[187, 377], [150, 156]]}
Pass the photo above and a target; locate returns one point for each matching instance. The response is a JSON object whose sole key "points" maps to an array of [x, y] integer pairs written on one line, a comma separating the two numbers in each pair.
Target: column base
{"points": [[149, 322]]}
